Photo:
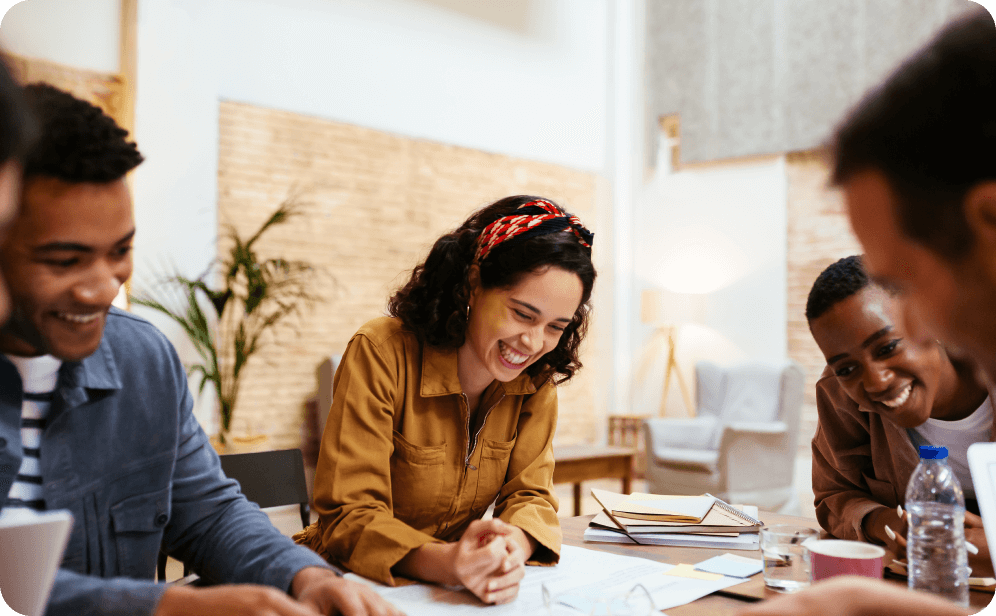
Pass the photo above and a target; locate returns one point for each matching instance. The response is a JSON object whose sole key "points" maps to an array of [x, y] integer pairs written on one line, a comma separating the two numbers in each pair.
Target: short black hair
{"points": [[17, 126], [930, 128], [836, 283], [77, 142]]}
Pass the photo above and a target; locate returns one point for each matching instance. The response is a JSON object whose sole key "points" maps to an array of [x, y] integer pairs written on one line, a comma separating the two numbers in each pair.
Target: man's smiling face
{"points": [[65, 257]]}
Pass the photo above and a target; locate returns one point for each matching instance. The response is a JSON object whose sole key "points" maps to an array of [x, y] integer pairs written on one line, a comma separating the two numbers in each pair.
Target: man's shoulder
{"points": [[131, 335]]}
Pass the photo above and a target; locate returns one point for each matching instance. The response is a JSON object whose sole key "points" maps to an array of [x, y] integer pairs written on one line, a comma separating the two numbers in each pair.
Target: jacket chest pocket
{"points": [[495, 456], [137, 525], [416, 481]]}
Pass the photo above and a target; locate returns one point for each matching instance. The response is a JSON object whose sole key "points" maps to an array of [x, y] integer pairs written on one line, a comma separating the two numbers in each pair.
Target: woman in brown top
{"points": [[879, 390], [450, 405]]}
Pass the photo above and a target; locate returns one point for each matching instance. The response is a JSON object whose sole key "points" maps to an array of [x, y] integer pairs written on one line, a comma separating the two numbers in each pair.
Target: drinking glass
{"points": [[786, 556]]}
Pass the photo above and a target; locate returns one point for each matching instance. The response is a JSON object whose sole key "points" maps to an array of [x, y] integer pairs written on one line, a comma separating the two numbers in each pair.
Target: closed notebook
{"points": [[721, 518], [659, 508], [746, 541]]}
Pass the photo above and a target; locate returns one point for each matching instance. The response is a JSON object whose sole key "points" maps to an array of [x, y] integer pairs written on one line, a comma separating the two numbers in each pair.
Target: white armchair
{"points": [[741, 446]]}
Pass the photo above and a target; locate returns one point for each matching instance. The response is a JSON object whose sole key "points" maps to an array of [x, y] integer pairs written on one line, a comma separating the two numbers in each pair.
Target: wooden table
{"points": [[723, 602], [585, 462]]}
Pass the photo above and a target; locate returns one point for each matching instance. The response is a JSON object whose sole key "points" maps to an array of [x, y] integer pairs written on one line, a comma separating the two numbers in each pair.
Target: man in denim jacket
{"points": [[106, 397]]}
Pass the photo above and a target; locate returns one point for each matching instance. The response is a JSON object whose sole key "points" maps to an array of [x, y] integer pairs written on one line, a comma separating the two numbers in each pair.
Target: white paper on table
{"points": [[581, 571]]}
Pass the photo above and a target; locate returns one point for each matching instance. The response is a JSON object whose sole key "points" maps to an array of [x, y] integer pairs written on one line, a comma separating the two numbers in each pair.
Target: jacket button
{"points": [[162, 519]]}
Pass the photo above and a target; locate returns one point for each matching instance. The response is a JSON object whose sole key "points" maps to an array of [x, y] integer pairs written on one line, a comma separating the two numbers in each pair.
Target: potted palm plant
{"points": [[230, 323]]}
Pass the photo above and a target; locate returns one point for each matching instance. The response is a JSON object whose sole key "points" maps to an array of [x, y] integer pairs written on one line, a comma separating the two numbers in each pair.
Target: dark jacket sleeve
{"points": [[841, 460]]}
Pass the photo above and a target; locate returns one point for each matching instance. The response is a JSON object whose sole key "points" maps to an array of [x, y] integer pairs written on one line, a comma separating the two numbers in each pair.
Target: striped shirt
{"points": [[38, 376]]}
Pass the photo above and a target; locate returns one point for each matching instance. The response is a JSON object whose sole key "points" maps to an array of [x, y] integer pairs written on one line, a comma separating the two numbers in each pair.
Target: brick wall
{"points": [[818, 234], [374, 202]]}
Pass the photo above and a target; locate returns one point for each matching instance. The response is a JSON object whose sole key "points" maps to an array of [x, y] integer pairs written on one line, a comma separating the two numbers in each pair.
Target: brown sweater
{"points": [[861, 461]]}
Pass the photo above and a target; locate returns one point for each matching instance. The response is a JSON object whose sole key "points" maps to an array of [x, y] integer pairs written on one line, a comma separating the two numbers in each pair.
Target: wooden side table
{"points": [[579, 463], [627, 431]]}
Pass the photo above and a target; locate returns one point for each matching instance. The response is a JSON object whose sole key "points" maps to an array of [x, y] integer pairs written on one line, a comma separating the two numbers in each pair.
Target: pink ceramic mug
{"points": [[831, 557]]}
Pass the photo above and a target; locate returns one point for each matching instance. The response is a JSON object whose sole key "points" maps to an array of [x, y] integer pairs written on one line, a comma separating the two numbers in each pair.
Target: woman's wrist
{"points": [[432, 562], [525, 541], [875, 522]]}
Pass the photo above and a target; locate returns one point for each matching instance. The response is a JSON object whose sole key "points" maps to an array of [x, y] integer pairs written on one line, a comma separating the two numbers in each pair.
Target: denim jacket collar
{"points": [[440, 376], [96, 373]]}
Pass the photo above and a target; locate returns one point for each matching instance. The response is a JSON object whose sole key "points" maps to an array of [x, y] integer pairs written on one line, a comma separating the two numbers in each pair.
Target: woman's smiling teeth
{"points": [[511, 356], [78, 318], [899, 400]]}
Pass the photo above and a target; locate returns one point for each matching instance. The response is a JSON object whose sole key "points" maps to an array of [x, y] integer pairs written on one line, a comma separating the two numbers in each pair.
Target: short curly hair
{"points": [[836, 283], [77, 141], [433, 303]]}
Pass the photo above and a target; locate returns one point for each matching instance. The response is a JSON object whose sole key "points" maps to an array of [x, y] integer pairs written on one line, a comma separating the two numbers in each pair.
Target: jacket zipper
{"points": [[471, 444]]}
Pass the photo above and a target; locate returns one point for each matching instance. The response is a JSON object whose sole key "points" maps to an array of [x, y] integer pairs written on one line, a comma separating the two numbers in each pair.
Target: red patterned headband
{"points": [[530, 220]]}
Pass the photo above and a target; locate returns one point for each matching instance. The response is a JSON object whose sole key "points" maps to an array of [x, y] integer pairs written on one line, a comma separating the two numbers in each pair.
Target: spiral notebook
{"points": [[722, 518]]}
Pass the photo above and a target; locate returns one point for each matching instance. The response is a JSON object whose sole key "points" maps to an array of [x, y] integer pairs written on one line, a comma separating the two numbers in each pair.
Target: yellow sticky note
{"points": [[688, 571]]}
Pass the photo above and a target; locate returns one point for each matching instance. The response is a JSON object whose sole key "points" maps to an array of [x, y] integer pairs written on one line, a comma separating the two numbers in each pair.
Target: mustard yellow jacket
{"points": [[402, 466]]}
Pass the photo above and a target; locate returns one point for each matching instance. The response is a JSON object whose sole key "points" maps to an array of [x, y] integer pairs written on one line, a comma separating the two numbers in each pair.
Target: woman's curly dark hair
{"points": [[433, 304], [77, 142]]}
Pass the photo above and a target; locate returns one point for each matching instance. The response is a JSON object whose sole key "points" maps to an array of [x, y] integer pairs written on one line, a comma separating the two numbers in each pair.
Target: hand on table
{"points": [[875, 525], [489, 562], [855, 596], [318, 592], [327, 593], [231, 600]]}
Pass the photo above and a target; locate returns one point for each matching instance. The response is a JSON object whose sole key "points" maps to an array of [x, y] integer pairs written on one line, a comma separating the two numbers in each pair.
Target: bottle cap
{"points": [[929, 452]]}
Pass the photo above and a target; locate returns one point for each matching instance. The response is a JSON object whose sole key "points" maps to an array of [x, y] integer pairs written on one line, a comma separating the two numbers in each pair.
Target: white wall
{"points": [[534, 89], [718, 229], [80, 34]]}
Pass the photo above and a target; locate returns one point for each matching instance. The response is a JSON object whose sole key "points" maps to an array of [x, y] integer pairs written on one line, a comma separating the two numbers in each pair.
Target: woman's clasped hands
{"points": [[489, 561]]}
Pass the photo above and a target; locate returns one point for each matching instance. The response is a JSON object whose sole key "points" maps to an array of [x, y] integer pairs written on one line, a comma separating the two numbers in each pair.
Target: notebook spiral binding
{"points": [[725, 506]]}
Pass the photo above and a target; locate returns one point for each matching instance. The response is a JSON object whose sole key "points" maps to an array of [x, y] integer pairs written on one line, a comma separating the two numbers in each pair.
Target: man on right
{"points": [[917, 162]]}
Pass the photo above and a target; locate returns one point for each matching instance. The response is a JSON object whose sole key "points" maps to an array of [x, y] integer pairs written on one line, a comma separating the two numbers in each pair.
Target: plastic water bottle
{"points": [[935, 544]]}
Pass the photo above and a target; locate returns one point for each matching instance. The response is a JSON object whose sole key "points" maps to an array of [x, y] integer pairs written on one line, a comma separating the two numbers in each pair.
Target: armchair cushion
{"points": [[692, 433], [753, 393], [702, 460]]}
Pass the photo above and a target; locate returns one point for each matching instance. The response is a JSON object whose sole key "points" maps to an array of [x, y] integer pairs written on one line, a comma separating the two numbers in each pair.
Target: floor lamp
{"points": [[667, 310]]}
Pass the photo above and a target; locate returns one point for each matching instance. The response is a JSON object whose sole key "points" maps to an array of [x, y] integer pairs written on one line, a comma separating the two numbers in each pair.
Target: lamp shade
{"points": [[663, 307]]}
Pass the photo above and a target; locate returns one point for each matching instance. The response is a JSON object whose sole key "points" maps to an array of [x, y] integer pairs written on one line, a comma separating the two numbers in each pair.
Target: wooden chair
{"points": [[267, 478]]}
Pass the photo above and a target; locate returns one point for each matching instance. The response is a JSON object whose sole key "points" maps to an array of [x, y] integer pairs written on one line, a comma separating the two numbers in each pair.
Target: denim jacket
{"points": [[123, 452]]}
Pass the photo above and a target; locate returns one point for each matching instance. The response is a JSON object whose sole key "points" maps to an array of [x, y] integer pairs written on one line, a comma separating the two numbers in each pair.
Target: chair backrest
{"points": [[325, 374], [710, 388], [267, 478], [270, 478], [753, 392]]}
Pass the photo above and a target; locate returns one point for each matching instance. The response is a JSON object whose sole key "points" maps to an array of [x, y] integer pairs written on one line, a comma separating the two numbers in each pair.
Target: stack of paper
{"points": [[722, 526]]}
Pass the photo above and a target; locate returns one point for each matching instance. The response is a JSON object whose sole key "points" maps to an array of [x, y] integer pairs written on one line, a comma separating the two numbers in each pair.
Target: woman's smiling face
{"points": [[879, 367], [510, 328]]}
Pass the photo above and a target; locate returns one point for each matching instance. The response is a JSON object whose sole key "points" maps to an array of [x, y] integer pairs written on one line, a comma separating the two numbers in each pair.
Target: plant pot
{"points": [[240, 444]]}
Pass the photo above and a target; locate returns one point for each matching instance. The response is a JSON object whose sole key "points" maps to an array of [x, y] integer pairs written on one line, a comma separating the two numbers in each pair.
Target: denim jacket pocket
{"points": [[495, 456], [416, 479], [138, 523]]}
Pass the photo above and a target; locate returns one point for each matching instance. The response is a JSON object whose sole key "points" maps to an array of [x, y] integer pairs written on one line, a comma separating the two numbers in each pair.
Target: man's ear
{"points": [[980, 213], [473, 283]]}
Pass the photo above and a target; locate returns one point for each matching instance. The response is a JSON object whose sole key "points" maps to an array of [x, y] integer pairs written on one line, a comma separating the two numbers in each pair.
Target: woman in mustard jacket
{"points": [[450, 405]]}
